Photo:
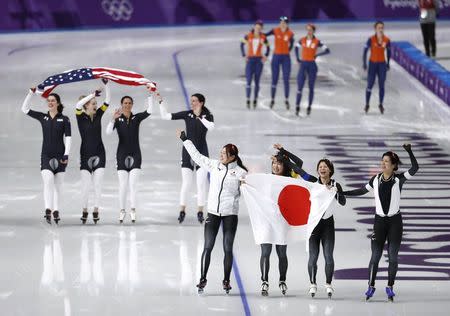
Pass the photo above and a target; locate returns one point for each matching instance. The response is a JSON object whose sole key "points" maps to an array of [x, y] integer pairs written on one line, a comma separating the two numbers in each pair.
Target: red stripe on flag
{"points": [[119, 72]]}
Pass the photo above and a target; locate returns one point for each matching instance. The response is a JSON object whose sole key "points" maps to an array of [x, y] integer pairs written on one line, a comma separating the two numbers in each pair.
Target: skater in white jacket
{"points": [[226, 175]]}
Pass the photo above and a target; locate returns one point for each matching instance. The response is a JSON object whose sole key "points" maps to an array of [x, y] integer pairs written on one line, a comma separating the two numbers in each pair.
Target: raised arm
{"points": [[197, 157], [414, 164], [26, 103], [296, 164], [112, 122], [83, 101]]}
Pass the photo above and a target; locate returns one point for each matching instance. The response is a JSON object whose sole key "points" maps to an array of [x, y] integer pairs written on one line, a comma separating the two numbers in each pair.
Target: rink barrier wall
{"points": [[69, 14], [428, 71]]}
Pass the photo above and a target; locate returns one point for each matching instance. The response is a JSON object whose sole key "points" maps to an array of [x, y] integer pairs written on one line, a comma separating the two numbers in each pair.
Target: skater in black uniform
{"points": [[128, 151], [92, 151], [223, 204], [199, 121], [55, 150], [388, 225], [324, 232]]}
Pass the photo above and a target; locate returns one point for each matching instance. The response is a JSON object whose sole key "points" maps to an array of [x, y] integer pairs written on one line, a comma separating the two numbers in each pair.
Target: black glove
{"points": [[105, 81], [183, 136], [65, 158], [98, 93], [407, 147]]}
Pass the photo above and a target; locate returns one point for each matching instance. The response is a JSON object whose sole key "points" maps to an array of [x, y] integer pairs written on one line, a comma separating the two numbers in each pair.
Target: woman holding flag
{"points": [[280, 167], [128, 151], [227, 173], [55, 150], [92, 151], [324, 231]]}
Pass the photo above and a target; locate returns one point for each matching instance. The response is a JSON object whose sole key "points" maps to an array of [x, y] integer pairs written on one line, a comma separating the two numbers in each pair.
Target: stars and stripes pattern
{"points": [[119, 76]]}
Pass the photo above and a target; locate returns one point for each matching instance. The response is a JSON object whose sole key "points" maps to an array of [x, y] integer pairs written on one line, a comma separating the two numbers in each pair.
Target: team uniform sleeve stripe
{"points": [[368, 187], [78, 111], [104, 107], [407, 175]]}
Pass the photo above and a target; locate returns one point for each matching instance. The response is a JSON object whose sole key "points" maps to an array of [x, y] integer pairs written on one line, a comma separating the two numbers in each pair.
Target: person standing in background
{"points": [[429, 10]]}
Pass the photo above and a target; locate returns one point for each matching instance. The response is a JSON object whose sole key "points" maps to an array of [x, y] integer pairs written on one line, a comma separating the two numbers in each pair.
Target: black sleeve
{"points": [[180, 115], [305, 176], [101, 110], [414, 164], [208, 115], [297, 165], [142, 115], [36, 115], [269, 33], [67, 127], [360, 191], [293, 157], [339, 196]]}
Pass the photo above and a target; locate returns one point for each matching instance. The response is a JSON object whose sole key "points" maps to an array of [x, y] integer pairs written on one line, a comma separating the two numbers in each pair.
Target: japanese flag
{"points": [[284, 209]]}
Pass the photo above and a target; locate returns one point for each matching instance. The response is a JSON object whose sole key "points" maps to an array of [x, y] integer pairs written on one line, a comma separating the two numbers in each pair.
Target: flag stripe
{"points": [[119, 76]]}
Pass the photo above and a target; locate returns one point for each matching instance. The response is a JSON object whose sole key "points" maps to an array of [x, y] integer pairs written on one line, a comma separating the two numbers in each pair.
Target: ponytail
{"points": [[232, 150], [240, 164]]}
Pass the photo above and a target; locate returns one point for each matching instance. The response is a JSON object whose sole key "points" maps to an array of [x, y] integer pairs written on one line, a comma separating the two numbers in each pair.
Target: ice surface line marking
{"points": [[235, 266]]}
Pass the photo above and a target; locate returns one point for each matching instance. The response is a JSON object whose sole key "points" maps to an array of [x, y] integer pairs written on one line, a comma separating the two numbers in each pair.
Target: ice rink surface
{"points": [[151, 268]]}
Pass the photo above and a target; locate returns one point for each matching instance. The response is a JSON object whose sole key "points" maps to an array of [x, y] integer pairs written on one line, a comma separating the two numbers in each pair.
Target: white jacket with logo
{"points": [[225, 181]]}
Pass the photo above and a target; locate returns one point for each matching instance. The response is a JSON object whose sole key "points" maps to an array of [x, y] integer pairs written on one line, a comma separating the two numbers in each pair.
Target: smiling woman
{"points": [[388, 225], [55, 149], [227, 174]]}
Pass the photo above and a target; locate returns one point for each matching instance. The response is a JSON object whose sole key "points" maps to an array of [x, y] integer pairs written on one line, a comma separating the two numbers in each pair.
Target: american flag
{"points": [[120, 76]]}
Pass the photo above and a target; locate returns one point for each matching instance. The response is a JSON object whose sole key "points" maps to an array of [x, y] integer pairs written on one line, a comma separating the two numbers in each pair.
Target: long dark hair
{"points": [[232, 150], [287, 171], [201, 98], [395, 160], [329, 165], [58, 100]]}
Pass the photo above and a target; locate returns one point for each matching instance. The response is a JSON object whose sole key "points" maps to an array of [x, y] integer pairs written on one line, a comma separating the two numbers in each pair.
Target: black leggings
{"points": [[390, 229], [323, 232], [212, 225], [429, 38], [264, 262]]}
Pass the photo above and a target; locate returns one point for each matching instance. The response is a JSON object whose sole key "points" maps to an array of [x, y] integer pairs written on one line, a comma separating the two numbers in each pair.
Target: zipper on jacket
{"points": [[221, 188]]}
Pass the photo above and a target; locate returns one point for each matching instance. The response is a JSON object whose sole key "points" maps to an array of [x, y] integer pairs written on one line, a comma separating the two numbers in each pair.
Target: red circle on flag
{"points": [[294, 204]]}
